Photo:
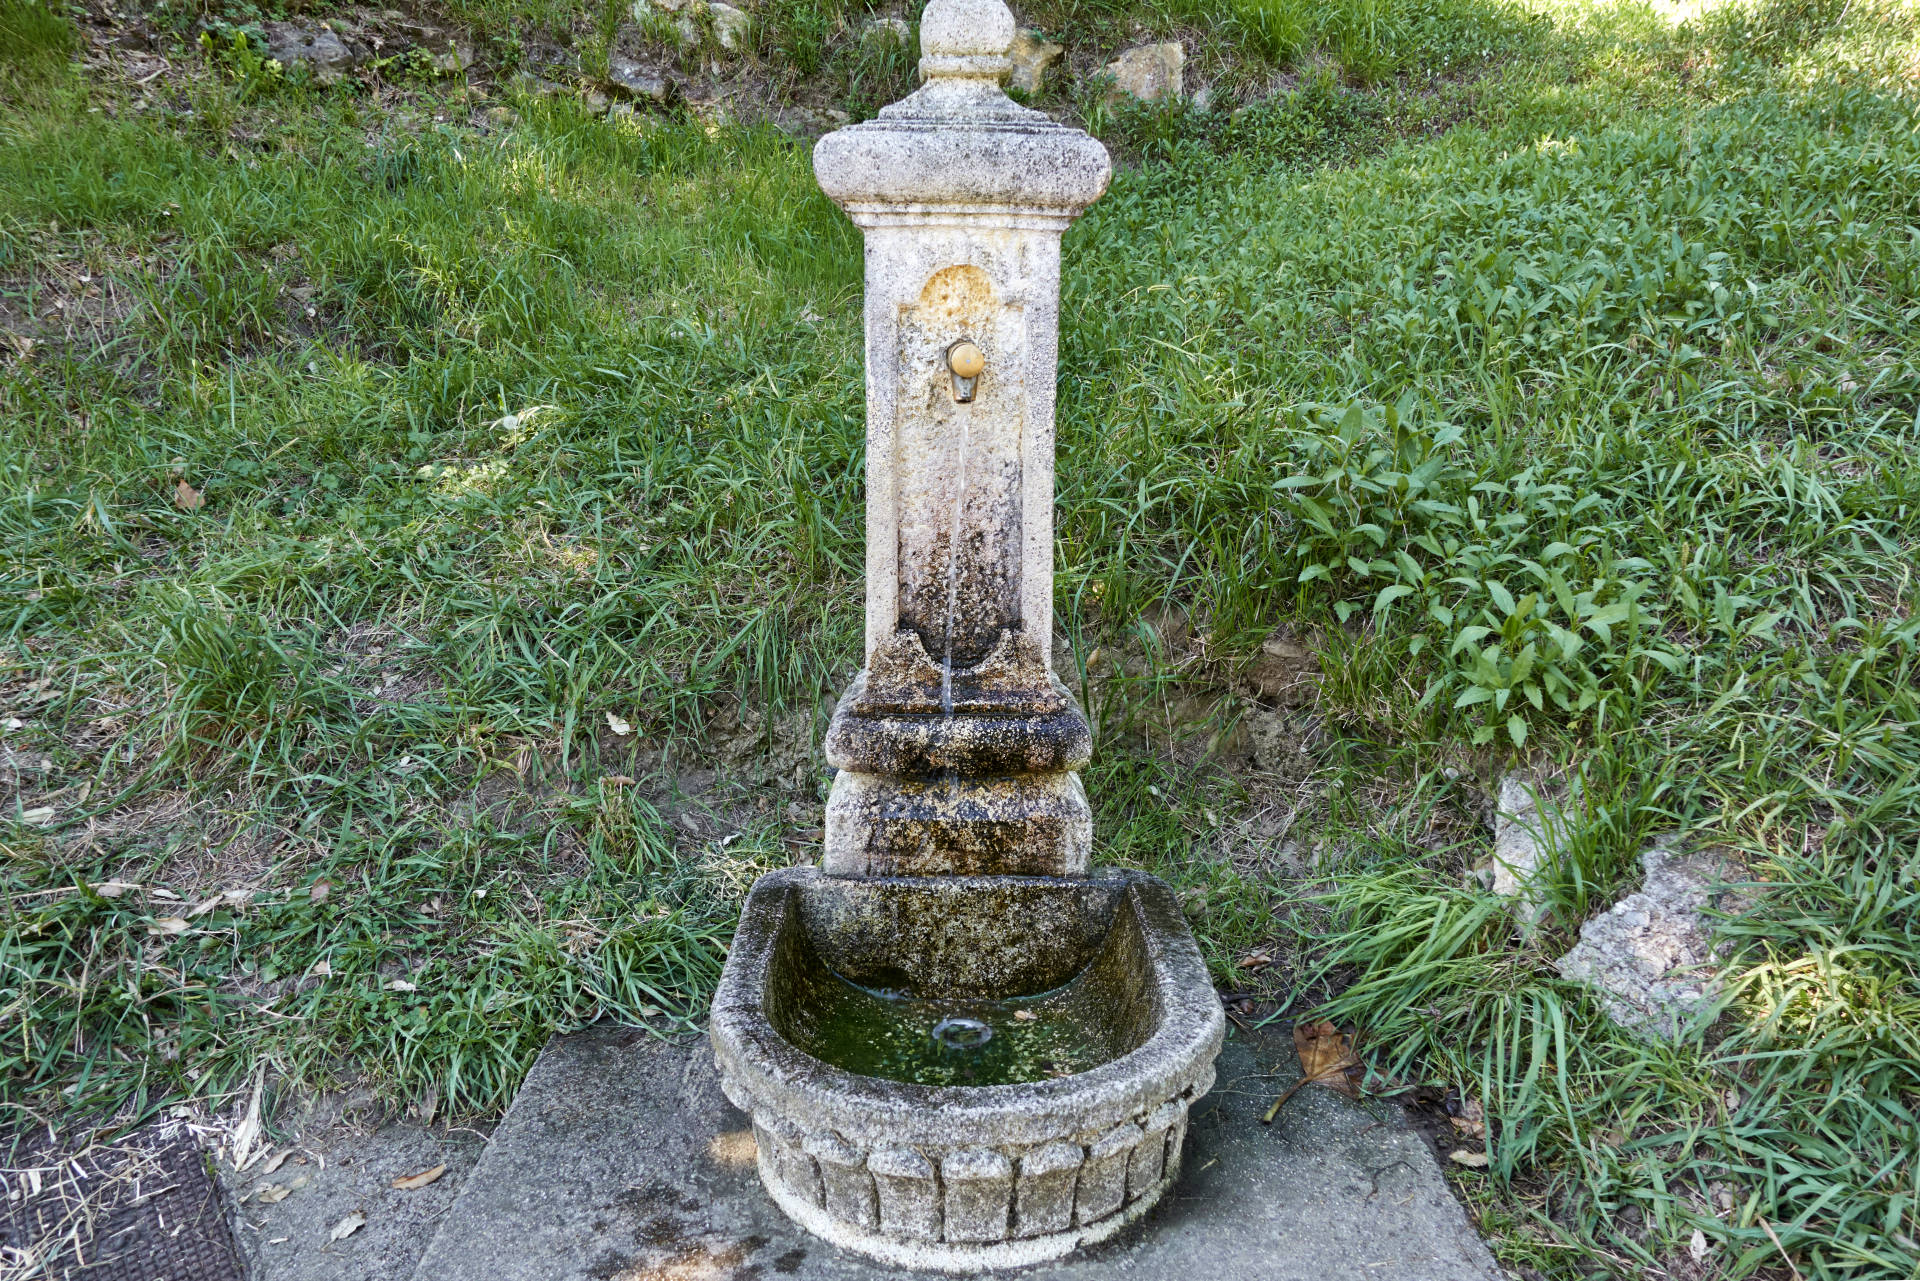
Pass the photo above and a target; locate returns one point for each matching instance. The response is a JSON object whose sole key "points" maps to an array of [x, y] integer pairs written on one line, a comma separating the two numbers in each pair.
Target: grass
{"points": [[371, 462]]}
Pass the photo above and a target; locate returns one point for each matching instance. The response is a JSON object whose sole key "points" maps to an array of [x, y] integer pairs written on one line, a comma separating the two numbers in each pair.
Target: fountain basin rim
{"points": [[1174, 1060]]}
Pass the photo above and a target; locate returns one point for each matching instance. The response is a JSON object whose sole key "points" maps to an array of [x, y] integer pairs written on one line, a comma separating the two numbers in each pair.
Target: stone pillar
{"points": [[958, 749]]}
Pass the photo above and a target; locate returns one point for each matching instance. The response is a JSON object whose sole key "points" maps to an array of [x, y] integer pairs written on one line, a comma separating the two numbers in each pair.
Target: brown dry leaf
{"points": [[617, 780], [167, 925], [187, 498], [1472, 1121], [1472, 1160], [273, 1192], [322, 968], [1326, 1058], [113, 889], [347, 1226], [420, 1180], [275, 1161], [321, 888], [1255, 961]]}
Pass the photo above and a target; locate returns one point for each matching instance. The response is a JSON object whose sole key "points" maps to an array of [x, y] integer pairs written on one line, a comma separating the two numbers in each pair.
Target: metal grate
{"points": [[139, 1208]]}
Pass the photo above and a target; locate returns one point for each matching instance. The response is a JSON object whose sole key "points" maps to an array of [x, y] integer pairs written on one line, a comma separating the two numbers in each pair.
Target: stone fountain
{"points": [[961, 1046]]}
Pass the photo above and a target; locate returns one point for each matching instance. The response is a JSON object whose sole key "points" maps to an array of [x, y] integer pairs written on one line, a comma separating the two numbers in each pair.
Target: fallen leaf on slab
{"points": [[187, 498], [1326, 1058], [273, 1193], [321, 888], [1472, 1160], [400, 985], [618, 726], [419, 1180], [275, 1161], [1025, 1016], [347, 1226], [167, 925]]}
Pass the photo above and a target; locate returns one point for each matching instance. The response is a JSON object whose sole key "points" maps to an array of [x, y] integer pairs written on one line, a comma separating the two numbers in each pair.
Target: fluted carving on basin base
{"points": [[973, 1207]]}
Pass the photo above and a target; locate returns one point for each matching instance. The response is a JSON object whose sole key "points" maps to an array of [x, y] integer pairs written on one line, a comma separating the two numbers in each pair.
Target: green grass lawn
{"points": [[440, 528]]}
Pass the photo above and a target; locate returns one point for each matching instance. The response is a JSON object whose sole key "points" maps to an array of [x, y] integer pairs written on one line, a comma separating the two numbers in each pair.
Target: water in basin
{"points": [[958, 1041]]}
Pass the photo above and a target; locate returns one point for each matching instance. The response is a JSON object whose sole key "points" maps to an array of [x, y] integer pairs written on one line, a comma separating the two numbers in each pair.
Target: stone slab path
{"points": [[621, 1161]]}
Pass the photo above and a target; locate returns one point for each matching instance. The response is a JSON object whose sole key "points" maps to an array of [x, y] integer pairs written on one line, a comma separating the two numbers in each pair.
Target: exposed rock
{"points": [[1150, 72], [1650, 955], [1284, 672], [1523, 837], [896, 30], [324, 53], [1031, 55], [595, 102], [453, 59], [809, 122], [632, 81], [729, 24]]}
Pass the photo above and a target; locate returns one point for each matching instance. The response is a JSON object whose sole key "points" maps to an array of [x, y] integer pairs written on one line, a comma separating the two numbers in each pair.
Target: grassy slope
{"points": [[1584, 434]]}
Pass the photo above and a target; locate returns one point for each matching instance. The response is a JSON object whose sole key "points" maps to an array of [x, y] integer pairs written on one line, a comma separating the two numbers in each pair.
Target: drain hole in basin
{"points": [[962, 1034]]}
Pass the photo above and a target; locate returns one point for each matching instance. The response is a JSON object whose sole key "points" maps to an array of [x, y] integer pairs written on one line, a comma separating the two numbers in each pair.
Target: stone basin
{"points": [[960, 1177]]}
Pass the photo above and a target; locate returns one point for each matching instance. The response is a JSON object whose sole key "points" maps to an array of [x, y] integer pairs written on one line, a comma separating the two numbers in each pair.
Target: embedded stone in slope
{"points": [[1651, 954], [1150, 72]]}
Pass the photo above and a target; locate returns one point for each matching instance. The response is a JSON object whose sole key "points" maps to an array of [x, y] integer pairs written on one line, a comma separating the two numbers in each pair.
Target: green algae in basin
{"points": [[939, 1041]]}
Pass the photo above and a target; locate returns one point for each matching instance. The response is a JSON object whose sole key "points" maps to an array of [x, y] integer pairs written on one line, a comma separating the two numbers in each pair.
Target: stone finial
{"points": [[966, 39]]}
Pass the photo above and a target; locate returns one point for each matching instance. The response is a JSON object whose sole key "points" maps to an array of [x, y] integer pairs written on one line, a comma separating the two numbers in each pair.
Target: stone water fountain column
{"points": [[956, 745], [955, 890]]}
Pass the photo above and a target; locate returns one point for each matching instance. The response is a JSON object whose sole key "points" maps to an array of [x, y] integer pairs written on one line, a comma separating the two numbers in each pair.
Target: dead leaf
{"points": [[39, 815], [1472, 1121], [1697, 1246], [347, 1226], [1255, 961], [617, 780], [273, 1193], [321, 888], [1025, 1016], [113, 889], [420, 1180], [167, 925], [618, 726], [187, 498], [400, 985], [275, 1161], [1326, 1058], [321, 969], [1472, 1160]]}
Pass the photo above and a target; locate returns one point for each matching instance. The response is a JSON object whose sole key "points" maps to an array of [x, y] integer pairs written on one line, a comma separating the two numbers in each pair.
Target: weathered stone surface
{"points": [[887, 30], [1285, 672], [1150, 72], [630, 80], [948, 1162], [1530, 825], [318, 48], [1031, 55], [962, 195], [621, 1160], [1651, 955], [730, 25]]}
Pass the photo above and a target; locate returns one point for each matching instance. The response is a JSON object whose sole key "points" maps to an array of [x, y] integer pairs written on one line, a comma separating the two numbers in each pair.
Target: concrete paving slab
{"points": [[621, 1161], [334, 1171]]}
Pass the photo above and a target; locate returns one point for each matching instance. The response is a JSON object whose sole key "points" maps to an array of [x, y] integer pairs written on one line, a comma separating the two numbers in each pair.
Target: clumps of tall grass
{"points": [[1373, 40]]}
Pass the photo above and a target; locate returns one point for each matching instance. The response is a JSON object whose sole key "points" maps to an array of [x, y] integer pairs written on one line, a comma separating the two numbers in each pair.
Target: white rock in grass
{"points": [[1150, 72], [887, 30], [1031, 55], [729, 24], [1651, 955]]}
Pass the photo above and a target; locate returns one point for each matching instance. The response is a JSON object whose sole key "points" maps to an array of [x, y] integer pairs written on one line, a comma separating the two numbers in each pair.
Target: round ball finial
{"points": [[966, 38]]}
